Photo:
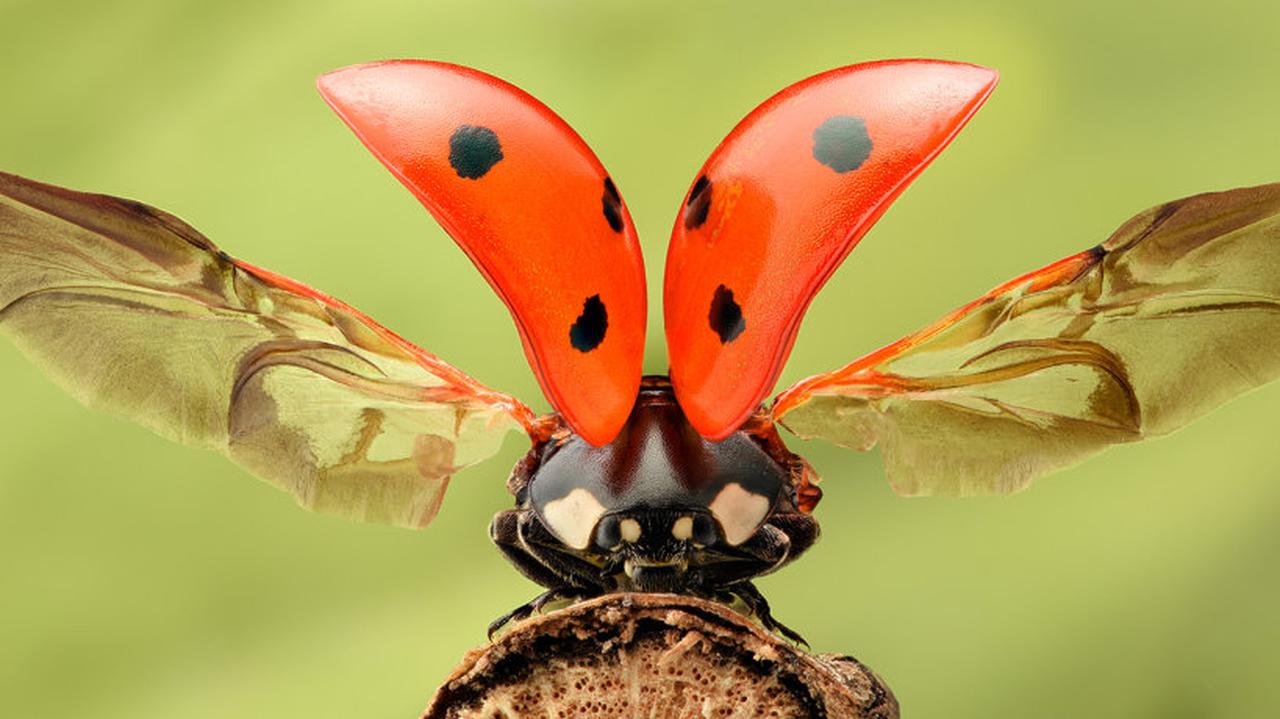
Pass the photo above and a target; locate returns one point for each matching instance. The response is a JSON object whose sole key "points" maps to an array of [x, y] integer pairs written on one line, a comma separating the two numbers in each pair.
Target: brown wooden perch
{"points": [[660, 656]]}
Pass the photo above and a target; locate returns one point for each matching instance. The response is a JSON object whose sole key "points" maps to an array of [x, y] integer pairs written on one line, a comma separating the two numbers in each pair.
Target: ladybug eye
{"points": [[704, 530], [608, 532]]}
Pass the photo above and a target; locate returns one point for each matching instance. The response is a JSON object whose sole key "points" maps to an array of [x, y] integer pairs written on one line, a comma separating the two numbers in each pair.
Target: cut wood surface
{"points": [[660, 656]]}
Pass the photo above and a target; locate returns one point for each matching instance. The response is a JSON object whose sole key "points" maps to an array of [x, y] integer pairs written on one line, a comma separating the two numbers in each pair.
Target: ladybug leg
{"points": [[528, 608], [759, 606], [505, 533], [536, 554], [571, 569], [801, 530], [783, 538], [764, 552]]}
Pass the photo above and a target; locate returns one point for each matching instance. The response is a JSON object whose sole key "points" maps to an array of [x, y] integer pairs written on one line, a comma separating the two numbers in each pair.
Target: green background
{"points": [[144, 579]]}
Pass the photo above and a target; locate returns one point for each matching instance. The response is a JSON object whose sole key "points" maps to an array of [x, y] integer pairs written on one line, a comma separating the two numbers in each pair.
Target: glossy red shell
{"points": [[533, 208], [787, 196]]}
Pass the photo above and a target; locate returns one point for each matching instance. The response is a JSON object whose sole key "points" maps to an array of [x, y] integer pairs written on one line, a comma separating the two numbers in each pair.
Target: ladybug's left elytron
{"points": [[645, 484]]}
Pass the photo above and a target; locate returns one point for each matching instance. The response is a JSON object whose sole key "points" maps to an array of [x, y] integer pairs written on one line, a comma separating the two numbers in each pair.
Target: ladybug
{"points": [[658, 509], [677, 483]]}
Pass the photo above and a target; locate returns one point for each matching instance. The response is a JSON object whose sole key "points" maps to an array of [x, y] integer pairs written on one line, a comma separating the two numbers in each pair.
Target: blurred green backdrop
{"points": [[143, 579]]}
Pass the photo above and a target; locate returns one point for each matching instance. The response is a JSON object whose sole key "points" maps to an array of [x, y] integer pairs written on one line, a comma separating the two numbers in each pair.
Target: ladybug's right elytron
{"points": [[645, 484]]}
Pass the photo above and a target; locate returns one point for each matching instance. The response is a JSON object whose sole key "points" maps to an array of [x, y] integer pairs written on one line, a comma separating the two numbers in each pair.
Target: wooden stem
{"points": [[654, 655]]}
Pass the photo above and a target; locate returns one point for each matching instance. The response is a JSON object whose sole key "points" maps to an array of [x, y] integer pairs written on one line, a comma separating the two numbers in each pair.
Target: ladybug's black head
{"points": [[653, 547], [659, 502]]}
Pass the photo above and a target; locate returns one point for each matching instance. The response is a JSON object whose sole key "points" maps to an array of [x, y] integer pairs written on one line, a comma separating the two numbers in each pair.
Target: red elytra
{"points": [[533, 208], [792, 190], [774, 211]]}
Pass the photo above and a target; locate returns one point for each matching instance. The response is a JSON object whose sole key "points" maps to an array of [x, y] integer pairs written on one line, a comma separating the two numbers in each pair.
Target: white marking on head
{"points": [[630, 530], [682, 528], [573, 517], [739, 512]]}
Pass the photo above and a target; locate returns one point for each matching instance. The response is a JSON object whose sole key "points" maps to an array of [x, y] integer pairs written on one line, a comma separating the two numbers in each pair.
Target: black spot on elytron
{"points": [[588, 331], [698, 204], [726, 315], [842, 143], [612, 205], [473, 151]]}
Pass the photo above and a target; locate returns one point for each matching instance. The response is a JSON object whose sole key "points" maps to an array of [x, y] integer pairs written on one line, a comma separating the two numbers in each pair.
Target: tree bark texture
{"points": [[658, 656]]}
